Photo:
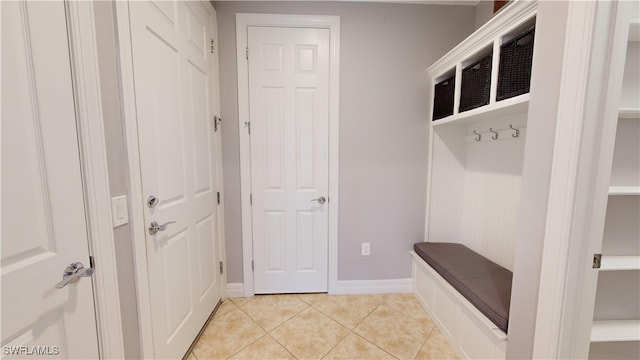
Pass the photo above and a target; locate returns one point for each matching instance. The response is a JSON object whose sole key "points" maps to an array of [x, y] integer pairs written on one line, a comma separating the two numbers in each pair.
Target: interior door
{"points": [[289, 114], [174, 90], [43, 217]]}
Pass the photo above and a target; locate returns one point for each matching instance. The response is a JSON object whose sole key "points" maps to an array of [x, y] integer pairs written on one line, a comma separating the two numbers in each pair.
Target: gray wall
{"points": [[118, 175], [484, 12], [384, 100]]}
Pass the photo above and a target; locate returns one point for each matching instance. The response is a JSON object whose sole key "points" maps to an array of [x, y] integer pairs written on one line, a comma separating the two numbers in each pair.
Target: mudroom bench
{"points": [[466, 295]]}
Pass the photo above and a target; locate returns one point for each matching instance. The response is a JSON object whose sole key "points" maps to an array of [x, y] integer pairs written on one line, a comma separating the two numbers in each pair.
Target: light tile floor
{"points": [[321, 326]]}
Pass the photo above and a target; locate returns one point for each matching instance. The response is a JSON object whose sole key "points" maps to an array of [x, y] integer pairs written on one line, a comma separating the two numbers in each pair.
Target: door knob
{"points": [[321, 200], [72, 273], [154, 227]]}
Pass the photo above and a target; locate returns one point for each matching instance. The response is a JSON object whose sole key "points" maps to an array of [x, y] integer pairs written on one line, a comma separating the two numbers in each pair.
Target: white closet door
{"points": [[289, 112], [174, 84], [43, 217]]}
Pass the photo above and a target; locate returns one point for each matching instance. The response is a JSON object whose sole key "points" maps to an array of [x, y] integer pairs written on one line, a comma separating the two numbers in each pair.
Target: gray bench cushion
{"points": [[484, 283]]}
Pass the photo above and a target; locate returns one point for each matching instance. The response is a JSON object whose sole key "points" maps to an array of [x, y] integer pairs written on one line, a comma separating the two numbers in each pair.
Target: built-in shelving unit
{"points": [[475, 168], [615, 332]]}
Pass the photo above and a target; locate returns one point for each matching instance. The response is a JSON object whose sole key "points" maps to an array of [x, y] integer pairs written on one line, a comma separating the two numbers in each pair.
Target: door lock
{"points": [[321, 200], [154, 227], [73, 273], [152, 201]]}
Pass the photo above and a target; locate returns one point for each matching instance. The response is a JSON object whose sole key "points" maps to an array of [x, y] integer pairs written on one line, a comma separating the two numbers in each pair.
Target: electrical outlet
{"points": [[366, 249]]}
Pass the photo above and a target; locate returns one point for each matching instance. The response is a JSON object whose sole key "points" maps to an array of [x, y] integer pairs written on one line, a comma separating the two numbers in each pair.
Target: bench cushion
{"points": [[484, 283]]}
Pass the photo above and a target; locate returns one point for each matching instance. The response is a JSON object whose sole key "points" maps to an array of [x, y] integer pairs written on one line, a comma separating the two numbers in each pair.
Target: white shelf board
{"points": [[515, 105], [634, 30], [617, 263], [629, 113], [615, 330], [624, 190]]}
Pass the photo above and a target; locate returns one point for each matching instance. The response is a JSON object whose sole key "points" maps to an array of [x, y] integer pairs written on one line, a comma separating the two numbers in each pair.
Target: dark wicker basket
{"points": [[443, 98], [476, 84], [516, 57]]}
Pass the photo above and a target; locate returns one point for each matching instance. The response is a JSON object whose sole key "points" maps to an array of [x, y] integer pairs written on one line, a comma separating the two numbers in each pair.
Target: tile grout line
{"points": [[239, 351], [284, 347], [277, 327], [352, 331], [339, 341], [425, 342], [371, 342]]}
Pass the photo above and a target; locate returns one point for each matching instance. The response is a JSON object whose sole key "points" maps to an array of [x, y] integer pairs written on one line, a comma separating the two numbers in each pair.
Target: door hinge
{"points": [[92, 263], [597, 261], [221, 268], [252, 266], [247, 124], [217, 122], [213, 46], [246, 52], [218, 196], [250, 199]]}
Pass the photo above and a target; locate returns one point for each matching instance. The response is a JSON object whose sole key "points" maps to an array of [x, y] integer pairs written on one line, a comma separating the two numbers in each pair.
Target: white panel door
{"points": [[43, 217], [289, 114], [174, 84]]}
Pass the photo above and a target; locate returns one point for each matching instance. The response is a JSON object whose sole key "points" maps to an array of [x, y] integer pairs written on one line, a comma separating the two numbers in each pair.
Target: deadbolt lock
{"points": [[152, 201]]}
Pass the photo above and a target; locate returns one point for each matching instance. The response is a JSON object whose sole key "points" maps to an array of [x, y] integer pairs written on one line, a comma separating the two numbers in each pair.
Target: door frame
{"points": [[136, 217], [243, 21], [95, 180]]}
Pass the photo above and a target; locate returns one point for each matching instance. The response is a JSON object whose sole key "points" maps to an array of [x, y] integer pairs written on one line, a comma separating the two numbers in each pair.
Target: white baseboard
{"points": [[355, 287], [349, 287], [235, 290]]}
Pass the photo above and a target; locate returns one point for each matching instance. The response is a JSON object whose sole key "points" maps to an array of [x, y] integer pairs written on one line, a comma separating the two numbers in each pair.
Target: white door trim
{"points": [[88, 106], [137, 223], [136, 217], [243, 21]]}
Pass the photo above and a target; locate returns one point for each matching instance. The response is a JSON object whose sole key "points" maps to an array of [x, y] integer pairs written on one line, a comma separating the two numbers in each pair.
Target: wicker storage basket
{"points": [[516, 57], [476, 84], [443, 98]]}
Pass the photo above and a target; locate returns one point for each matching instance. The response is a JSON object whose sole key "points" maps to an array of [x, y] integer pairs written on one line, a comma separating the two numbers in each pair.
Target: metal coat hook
{"points": [[479, 136], [514, 129], [495, 134]]}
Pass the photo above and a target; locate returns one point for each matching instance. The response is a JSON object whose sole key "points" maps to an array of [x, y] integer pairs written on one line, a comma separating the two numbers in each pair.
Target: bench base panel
{"points": [[469, 332]]}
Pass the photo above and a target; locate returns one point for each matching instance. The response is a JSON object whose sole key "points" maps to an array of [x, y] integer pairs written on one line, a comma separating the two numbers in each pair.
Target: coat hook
{"points": [[478, 134], [495, 134], [516, 130]]}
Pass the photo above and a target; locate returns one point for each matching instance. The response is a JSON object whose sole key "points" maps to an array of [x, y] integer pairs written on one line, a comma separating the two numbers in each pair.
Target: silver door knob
{"points": [[321, 200], [154, 227], [72, 273]]}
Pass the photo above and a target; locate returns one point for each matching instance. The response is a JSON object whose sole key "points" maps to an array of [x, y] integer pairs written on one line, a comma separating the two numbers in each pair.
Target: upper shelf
{"points": [[624, 190], [615, 330], [511, 17], [634, 30], [619, 263], [629, 113], [511, 106]]}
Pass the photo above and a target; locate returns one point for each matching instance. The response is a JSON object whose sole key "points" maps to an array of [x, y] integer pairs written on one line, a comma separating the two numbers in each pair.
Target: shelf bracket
{"points": [[597, 261]]}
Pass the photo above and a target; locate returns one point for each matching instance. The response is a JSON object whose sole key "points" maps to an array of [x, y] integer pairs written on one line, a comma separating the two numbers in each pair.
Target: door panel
{"points": [[174, 83], [43, 218], [289, 112]]}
